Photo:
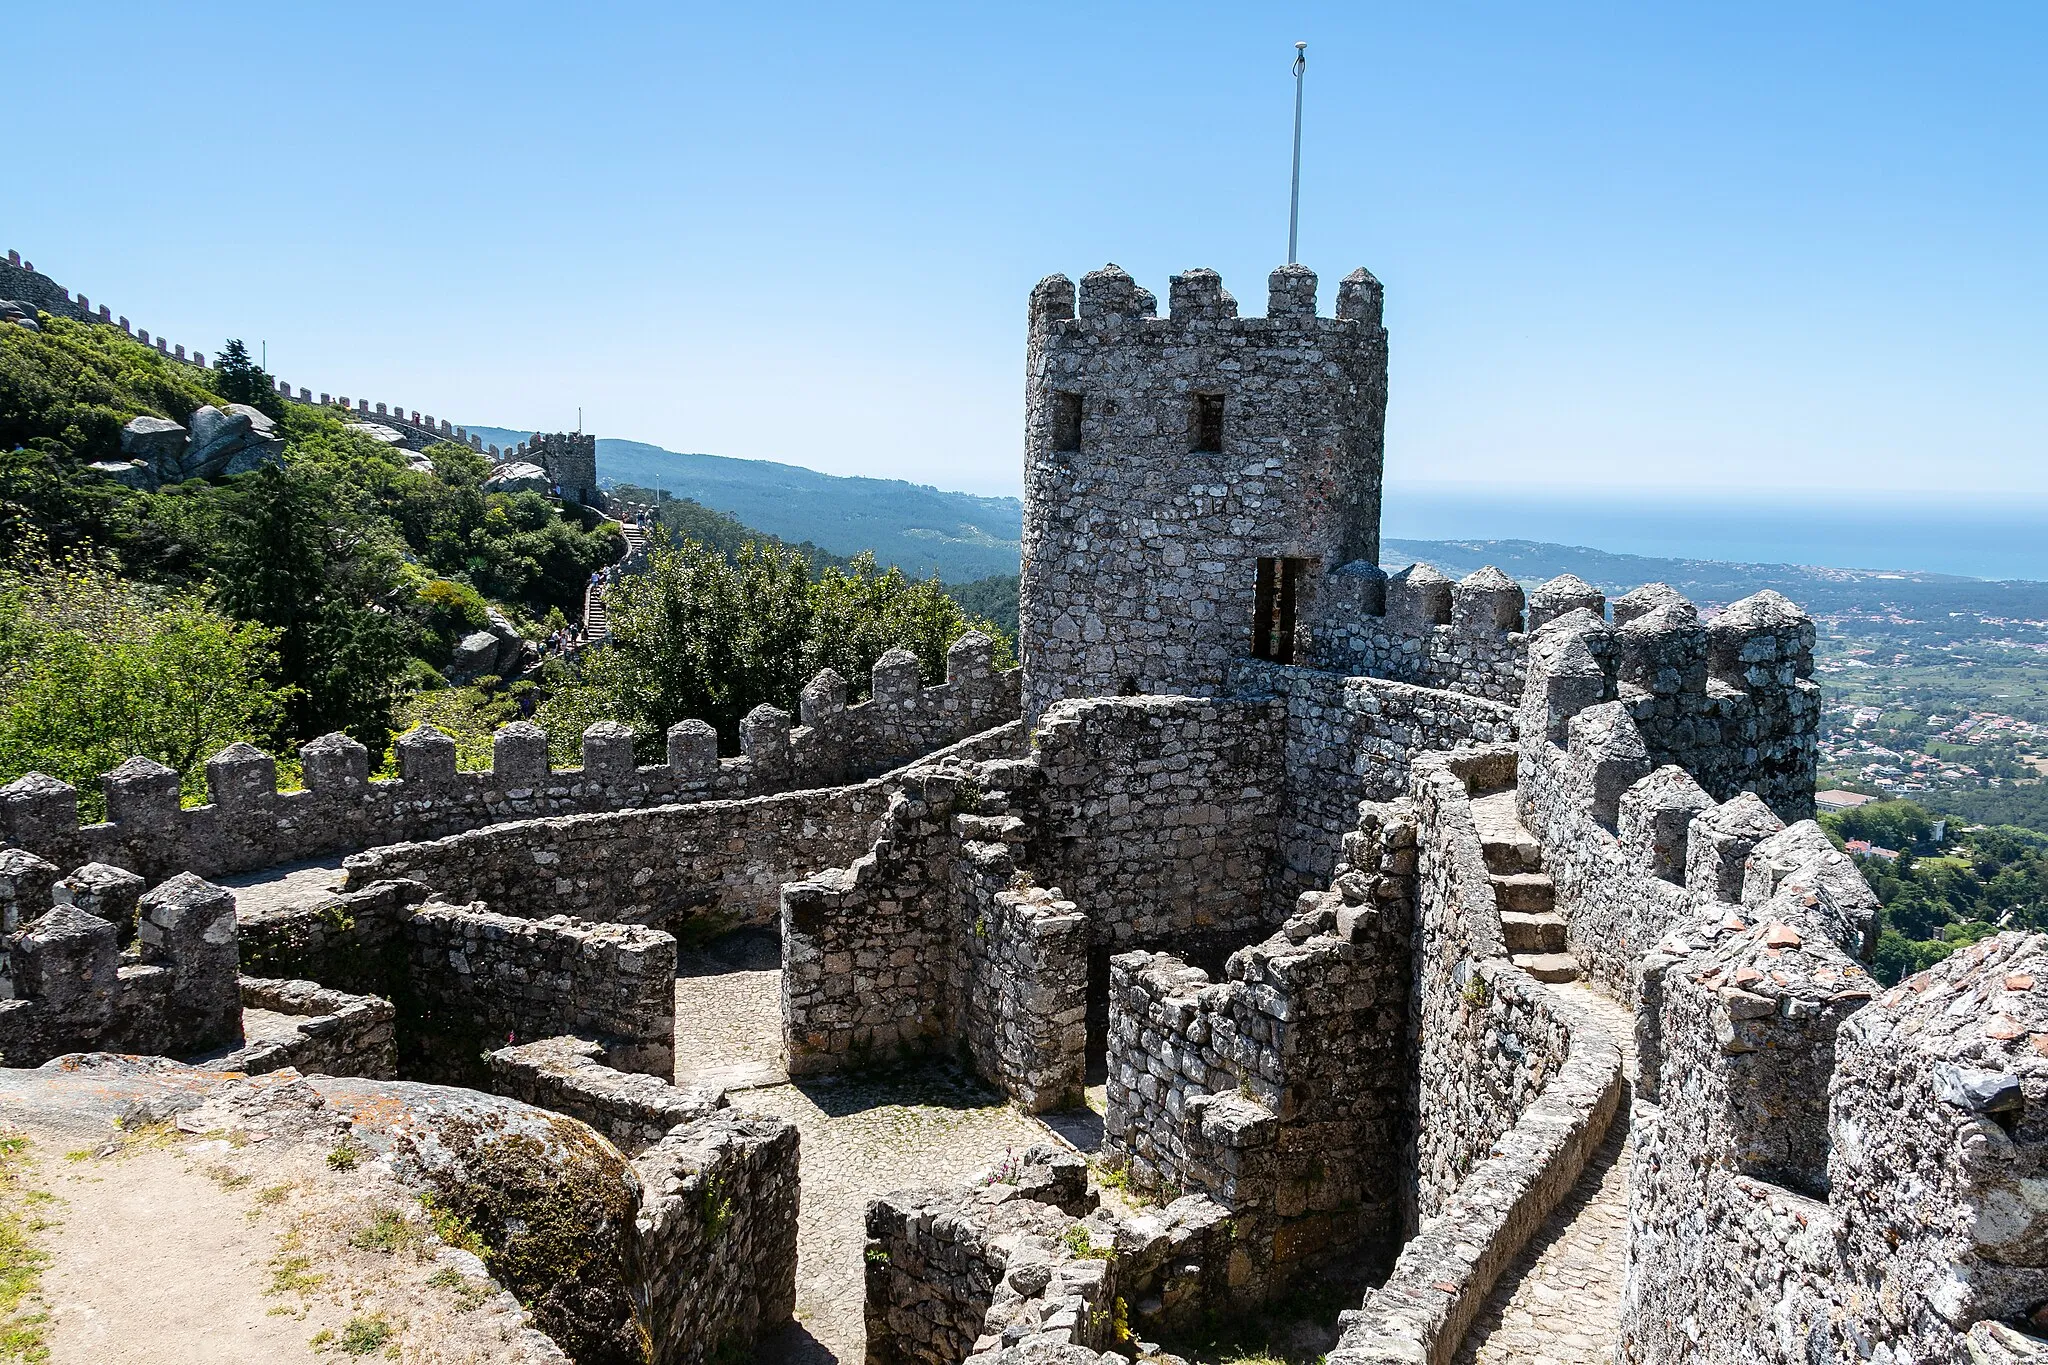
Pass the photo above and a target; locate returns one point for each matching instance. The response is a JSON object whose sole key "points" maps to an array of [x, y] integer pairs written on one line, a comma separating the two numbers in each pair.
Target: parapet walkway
{"points": [[1559, 1302]]}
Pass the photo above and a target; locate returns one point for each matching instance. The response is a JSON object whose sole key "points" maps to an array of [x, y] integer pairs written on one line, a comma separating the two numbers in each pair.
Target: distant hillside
{"points": [[923, 530], [1716, 583]]}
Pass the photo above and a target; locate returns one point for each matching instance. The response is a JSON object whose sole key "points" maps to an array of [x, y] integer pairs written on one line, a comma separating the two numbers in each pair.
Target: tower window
{"points": [[1066, 421], [1205, 426], [1273, 609]]}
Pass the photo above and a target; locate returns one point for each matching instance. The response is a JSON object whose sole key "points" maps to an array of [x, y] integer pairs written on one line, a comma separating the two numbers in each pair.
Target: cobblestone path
{"points": [[922, 1125], [1559, 1302]]}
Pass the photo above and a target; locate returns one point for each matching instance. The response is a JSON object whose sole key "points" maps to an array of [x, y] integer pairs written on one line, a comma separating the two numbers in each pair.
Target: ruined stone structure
{"points": [[1377, 906], [570, 459]]}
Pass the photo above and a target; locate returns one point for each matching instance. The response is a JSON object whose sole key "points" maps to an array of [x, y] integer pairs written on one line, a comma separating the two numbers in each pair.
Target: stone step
{"points": [[1527, 933], [1551, 967], [1509, 848], [1530, 892]]}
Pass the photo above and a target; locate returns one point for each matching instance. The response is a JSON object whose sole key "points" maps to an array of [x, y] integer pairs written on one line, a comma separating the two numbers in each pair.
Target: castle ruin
{"points": [[1374, 907]]}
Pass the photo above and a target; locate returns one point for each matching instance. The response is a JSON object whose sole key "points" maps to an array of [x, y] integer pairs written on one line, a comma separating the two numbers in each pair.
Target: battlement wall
{"points": [[1635, 837], [1165, 458], [249, 825]]}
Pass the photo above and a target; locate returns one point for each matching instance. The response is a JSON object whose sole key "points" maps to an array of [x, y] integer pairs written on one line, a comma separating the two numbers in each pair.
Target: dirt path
{"points": [[152, 1261]]}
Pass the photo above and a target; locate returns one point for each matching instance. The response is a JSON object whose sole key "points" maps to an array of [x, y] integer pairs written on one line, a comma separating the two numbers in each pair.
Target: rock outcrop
{"points": [[216, 442]]}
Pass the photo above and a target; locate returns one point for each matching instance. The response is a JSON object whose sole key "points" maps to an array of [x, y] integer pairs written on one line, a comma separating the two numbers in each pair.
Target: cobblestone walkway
{"points": [[924, 1125], [1559, 1302]]}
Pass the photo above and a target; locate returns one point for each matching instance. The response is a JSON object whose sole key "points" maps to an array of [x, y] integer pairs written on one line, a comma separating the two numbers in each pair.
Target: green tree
{"points": [[241, 380], [294, 562], [95, 669]]}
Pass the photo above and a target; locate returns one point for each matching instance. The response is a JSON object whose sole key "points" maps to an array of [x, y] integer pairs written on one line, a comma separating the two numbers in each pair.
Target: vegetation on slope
{"points": [[1940, 895]]}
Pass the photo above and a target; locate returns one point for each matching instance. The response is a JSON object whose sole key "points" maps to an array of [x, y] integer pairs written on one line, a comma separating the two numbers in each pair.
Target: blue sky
{"points": [[1735, 246]]}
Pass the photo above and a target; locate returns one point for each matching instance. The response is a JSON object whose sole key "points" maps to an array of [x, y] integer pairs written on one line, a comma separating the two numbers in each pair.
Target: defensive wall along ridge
{"points": [[1374, 903]]}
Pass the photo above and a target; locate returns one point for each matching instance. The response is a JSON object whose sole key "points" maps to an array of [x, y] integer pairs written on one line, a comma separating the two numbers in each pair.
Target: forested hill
{"points": [[920, 529]]}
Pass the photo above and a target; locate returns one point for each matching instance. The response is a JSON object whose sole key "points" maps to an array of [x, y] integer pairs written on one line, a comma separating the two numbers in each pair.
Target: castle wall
{"points": [[1419, 627], [1350, 739], [473, 976], [1161, 816], [567, 1074], [337, 1033], [712, 1251], [938, 940], [1144, 526], [570, 459], [249, 825], [1280, 1091], [74, 992], [1633, 841]]}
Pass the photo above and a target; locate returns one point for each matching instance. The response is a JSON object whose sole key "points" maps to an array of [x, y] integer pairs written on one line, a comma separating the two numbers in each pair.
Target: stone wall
{"points": [[1279, 1092], [249, 825], [350, 941], [176, 994], [1144, 525], [1352, 739], [713, 1250], [1161, 816], [660, 866], [336, 1034], [1515, 1085], [568, 1075], [1633, 842], [937, 939], [474, 976]]}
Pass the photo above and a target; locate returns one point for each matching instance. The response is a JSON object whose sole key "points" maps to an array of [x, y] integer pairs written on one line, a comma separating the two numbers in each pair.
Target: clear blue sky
{"points": [[1624, 245]]}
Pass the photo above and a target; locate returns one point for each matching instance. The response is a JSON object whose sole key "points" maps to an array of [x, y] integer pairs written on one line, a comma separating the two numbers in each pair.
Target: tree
{"points": [[242, 380], [292, 563], [95, 669]]}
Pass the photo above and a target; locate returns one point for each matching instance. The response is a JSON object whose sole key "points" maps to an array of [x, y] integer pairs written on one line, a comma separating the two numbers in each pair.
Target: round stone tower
{"points": [[1190, 480]]}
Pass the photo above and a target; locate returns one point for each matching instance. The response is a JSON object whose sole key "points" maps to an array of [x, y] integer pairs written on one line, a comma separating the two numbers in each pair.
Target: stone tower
{"points": [[1189, 480], [570, 458]]}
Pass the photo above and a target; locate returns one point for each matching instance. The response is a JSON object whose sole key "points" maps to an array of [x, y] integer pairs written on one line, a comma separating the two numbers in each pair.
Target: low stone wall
{"points": [[954, 1273], [337, 1034], [661, 866], [1279, 1092], [474, 976], [1352, 739], [712, 1255], [1445, 1273], [1161, 815], [568, 1075], [351, 941], [249, 825]]}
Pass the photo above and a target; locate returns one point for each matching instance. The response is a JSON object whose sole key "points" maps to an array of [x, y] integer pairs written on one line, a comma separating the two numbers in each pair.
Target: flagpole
{"points": [[1294, 195]]}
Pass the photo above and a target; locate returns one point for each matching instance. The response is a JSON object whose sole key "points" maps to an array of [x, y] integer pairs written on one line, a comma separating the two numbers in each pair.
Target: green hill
{"points": [[922, 530]]}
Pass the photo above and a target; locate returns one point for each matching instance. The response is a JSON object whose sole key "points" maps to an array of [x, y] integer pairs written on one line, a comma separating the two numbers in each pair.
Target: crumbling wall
{"points": [[712, 1254], [1279, 1092], [1515, 1086], [337, 1034], [474, 976], [249, 825], [350, 941], [937, 938], [1351, 739], [568, 1075], [661, 866], [177, 994]]}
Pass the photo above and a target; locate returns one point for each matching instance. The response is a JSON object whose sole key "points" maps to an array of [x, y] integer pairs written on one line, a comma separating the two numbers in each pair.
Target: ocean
{"points": [[1975, 535]]}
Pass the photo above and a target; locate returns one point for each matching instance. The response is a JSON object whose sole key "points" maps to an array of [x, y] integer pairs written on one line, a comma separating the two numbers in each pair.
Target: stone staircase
{"points": [[1523, 890], [596, 624]]}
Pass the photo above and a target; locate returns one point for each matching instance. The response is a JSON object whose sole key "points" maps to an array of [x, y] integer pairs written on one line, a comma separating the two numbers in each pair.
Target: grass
{"points": [[469, 1294], [363, 1335], [346, 1155], [22, 1319], [390, 1232], [293, 1274]]}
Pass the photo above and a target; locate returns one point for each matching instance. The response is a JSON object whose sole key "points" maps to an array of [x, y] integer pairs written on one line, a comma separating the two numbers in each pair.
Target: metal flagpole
{"points": [[1294, 196]]}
